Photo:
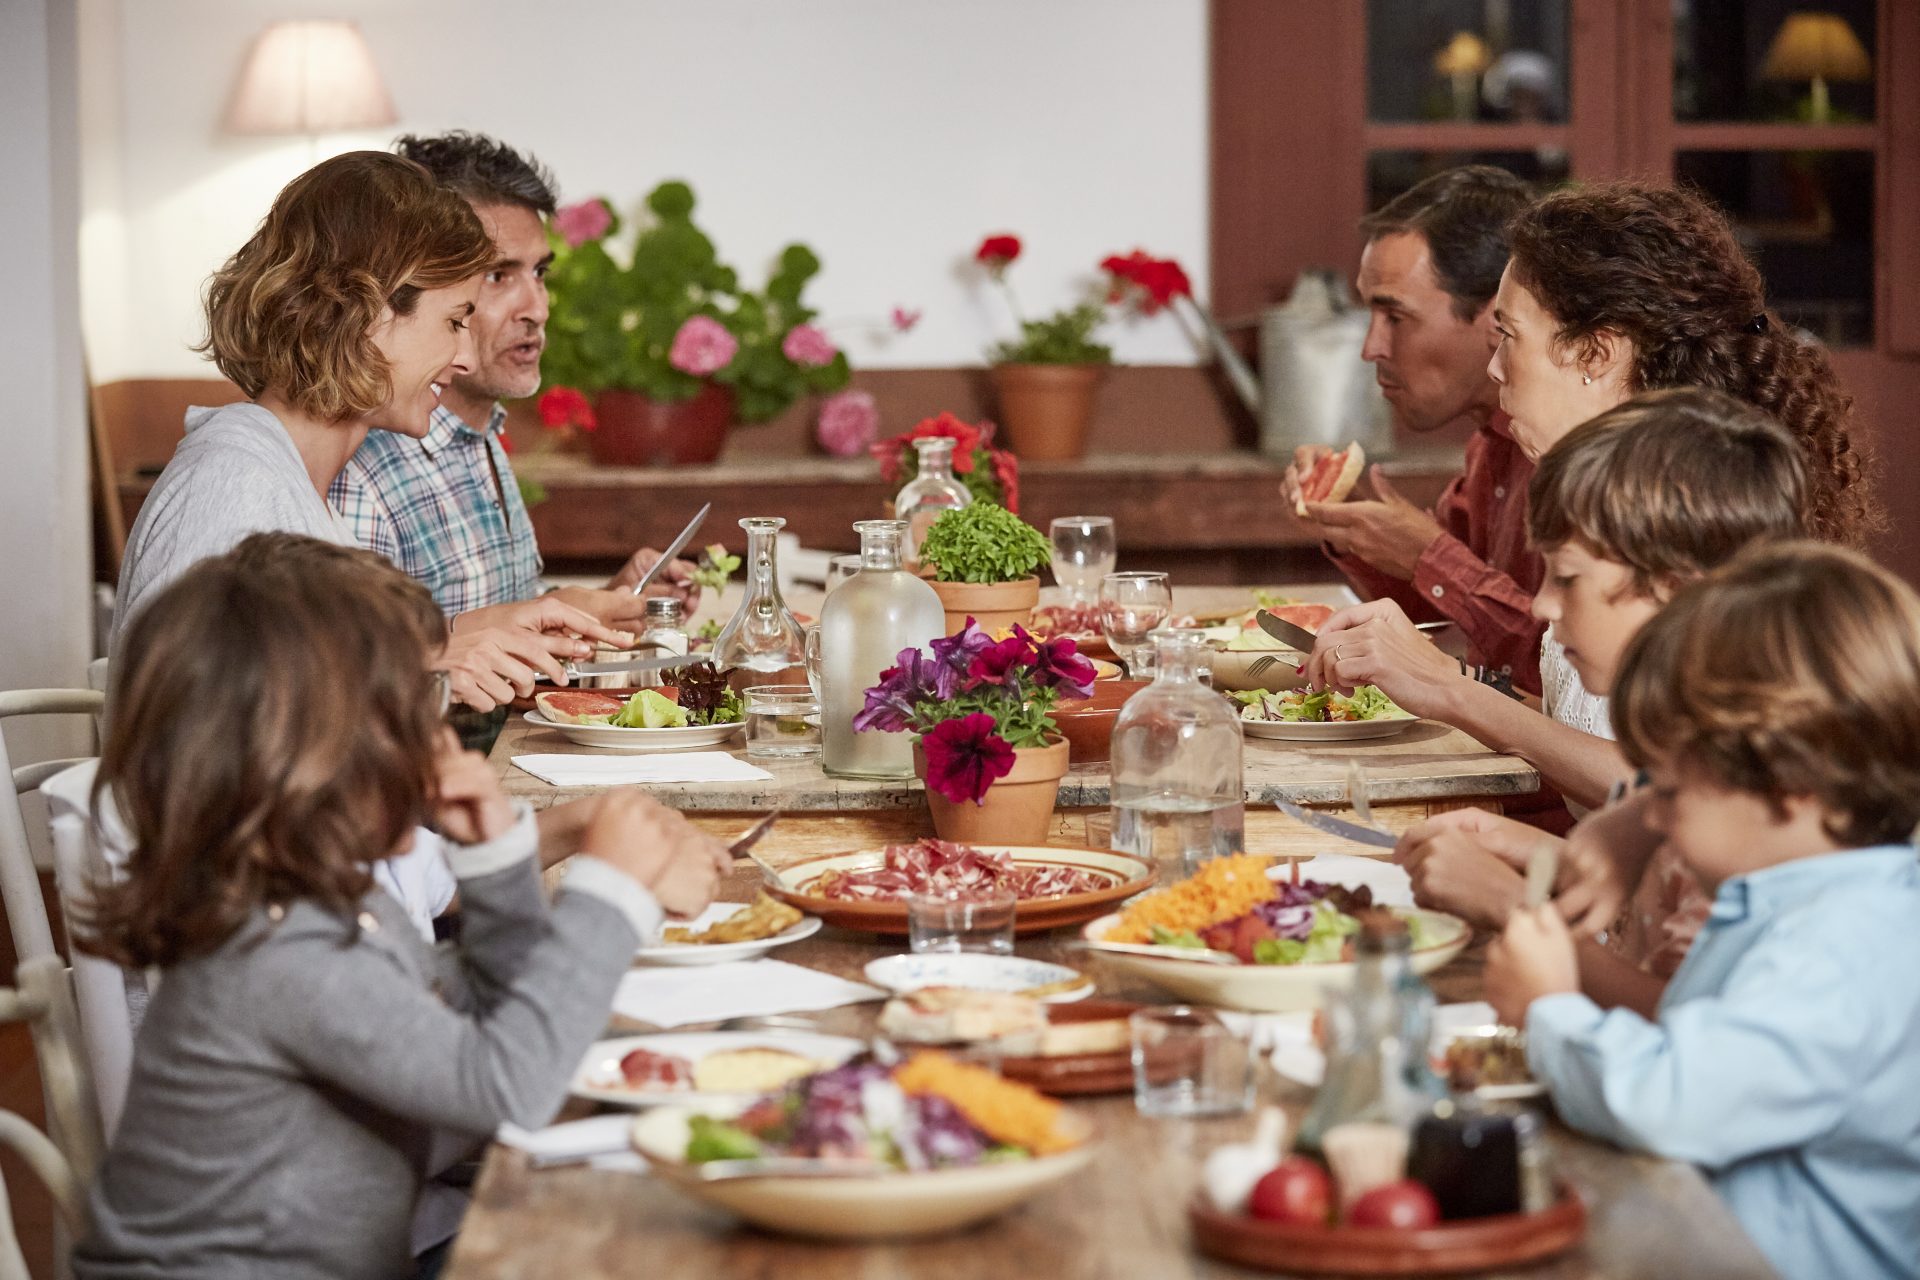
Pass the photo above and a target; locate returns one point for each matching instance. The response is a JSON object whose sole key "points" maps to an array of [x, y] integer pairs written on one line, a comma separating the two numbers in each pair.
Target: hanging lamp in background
{"points": [[309, 77], [1817, 47]]}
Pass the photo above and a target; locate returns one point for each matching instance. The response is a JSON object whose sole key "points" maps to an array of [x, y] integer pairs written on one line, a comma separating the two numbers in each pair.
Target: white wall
{"points": [[888, 134]]}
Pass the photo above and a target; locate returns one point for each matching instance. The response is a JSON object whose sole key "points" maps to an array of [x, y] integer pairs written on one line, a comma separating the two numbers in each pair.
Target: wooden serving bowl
{"points": [[1087, 724], [1450, 1248]]}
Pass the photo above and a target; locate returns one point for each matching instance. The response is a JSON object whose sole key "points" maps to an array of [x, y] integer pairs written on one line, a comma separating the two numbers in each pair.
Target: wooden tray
{"points": [[1078, 1074], [888, 917], [1451, 1248]]}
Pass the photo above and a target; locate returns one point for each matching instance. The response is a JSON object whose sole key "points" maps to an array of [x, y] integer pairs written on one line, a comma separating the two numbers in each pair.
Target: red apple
{"points": [[1297, 1190], [1405, 1205]]}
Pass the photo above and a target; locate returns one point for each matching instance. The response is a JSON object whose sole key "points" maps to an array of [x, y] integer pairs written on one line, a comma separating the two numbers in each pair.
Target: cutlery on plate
{"points": [[1338, 826], [751, 836], [1357, 793], [1285, 632], [618, 666], [673, 549], [1268, 661]]}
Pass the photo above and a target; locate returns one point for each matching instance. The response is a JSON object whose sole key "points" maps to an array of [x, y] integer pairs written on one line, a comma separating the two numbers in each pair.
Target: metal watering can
{"points": [[1317, 389]]}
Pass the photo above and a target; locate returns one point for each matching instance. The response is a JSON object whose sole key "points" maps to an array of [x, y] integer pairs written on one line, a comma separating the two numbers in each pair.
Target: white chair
{"points": [[19, 875], [81, 861]]}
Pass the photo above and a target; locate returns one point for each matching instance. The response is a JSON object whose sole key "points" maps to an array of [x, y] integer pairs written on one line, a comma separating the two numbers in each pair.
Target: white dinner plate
{"points": [[1328, 730], [1391, 885], [610, 738], [598, 1075], [720, 952], [975, 972]]}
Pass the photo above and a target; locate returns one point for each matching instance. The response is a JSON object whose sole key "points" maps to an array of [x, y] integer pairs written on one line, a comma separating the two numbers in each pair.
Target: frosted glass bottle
{"points": [[865, 622], [1179, 794], [762, 641], [932, 491]]}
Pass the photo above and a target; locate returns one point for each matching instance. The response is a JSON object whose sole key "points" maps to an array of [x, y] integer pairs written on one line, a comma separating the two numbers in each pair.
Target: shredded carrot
{"points": [[1221, 890], [1005, 1110]]}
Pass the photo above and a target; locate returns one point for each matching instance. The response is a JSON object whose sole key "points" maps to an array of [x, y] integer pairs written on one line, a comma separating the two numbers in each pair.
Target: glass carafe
{"points": [[1377, 1031], [932, 490], [866, 621], [762, 642], [1178, 786]]}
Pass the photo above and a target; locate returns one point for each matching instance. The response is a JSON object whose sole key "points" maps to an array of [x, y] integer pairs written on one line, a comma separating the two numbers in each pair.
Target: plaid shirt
{"points": [[445, 509]]}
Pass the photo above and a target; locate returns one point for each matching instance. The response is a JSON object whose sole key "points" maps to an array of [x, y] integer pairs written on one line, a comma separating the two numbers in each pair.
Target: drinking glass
{"points": [[1084, 551], [810, 655], [1187, 1062], [783, 721], [961, 920], [840, 568], [1131, 606]]}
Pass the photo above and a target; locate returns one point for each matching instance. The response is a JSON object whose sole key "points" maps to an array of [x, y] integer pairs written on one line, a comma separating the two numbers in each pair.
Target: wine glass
{"points": [[1131, 606], [1084, 552]]}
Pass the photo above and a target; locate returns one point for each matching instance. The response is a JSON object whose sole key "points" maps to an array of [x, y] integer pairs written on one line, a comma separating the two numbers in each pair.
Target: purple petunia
{"points": [[1058, 663], [890, 704], [995, 664], [955, 653], [965, 757]]}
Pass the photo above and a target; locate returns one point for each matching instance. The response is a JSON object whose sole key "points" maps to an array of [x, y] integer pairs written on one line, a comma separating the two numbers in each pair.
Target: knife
{"points": [[673, 549], [1285, 632], [1338, 826], [617, 666], [751, 837]]}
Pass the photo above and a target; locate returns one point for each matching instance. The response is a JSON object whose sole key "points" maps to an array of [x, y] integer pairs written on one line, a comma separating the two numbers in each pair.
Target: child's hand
{"points": [[679, 863], [1602, 863], [1533, 958], [1459, 862], [469, 805]]}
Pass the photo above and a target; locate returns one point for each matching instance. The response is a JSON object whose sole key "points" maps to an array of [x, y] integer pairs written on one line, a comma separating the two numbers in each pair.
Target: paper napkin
{"points": [[674, 997], [614, 771], [599, 1140]]}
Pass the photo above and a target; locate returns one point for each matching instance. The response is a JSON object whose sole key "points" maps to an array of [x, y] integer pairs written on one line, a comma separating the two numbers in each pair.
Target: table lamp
{"points": [[1817, 46], [1463, 60], [309, 77]]}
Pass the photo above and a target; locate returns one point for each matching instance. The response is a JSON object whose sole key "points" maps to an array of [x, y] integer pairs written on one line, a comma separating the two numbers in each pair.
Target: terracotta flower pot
{"points": [[1046, 409], [1018, 809], [1088, 723], [636, 430], [992, 604]]}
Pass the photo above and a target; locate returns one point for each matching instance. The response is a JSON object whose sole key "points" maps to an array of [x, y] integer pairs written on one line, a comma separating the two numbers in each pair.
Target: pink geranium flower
{"points": [[806, 345], [965, 757], [904, 320], [579, 223], [702, 346], [849, 424]]}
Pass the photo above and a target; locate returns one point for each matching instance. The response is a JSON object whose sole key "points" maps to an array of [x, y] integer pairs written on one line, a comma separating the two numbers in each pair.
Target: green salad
{"points": [[1365, 703]]}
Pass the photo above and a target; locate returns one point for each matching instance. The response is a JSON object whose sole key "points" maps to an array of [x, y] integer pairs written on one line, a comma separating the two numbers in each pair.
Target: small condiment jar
{"points": [[1480, 1160]]}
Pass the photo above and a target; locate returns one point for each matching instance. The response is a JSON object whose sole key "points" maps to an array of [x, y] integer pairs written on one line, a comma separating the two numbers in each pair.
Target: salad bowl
{"points": [[614, 738]]}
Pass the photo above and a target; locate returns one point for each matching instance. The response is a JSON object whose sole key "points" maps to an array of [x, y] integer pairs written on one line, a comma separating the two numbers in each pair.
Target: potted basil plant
{"points": [[985, 562]]}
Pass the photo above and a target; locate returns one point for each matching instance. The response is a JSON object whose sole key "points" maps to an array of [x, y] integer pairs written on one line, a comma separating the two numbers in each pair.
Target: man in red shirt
{"points": [[1429, 272]]}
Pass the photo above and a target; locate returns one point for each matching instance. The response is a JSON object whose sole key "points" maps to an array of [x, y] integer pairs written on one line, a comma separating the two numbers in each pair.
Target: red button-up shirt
{"points": [[1479, 573]]}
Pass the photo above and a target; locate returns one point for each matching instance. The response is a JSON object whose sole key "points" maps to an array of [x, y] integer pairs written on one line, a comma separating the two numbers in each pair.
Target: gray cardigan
{"points": [[286, 1086]]}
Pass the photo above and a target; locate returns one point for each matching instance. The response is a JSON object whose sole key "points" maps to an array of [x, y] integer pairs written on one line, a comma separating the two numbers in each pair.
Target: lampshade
{"points": [[1813, 44], [1465, 55], [309, 77]]}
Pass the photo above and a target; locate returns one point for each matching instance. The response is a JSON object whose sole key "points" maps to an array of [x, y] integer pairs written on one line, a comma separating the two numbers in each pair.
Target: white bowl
{"points": [[598, 1075], [1267, 988], [610, 738], [883, 1207], [975, 972]]}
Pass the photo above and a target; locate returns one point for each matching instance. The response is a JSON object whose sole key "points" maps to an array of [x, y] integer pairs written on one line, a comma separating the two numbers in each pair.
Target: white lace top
{"points": [[1566, 700]]}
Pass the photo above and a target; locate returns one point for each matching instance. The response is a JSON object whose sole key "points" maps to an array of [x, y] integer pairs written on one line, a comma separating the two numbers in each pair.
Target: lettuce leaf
{"points": [[1165, 937]]}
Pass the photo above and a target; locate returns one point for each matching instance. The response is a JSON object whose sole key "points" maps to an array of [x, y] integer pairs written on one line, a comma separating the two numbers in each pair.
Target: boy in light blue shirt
{"points": [[1776, 706]]}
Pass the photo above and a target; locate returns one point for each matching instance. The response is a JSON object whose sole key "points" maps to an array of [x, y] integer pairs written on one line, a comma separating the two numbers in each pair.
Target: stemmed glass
{"points": [[1084, 551], [1131, 606]]}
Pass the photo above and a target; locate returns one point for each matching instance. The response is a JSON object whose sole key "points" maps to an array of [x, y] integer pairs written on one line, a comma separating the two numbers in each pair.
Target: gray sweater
{"points": [[286, 1087]]}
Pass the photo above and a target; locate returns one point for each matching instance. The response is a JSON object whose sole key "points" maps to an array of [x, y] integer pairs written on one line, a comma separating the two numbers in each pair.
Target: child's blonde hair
{"points": [[1793, 671]]}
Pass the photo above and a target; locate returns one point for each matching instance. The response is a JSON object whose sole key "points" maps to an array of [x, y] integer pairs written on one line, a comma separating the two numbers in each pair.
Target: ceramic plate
{"points": [[609, 738], [1391, 885], [1124, 874], [1328, 731], [598, 1075], [720, 952], [888, 1206], [976, 973], [1269, 988]]}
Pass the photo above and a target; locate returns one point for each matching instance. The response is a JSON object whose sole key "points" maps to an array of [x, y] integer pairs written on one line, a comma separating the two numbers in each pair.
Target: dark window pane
{"points": [[1466, 60], [1391, 172], [1806, 217], [1757, 59]]}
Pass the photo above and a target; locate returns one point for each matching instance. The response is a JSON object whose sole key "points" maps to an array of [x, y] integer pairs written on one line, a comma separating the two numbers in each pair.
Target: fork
{"points": [[1357, 793], [1268, 661]]}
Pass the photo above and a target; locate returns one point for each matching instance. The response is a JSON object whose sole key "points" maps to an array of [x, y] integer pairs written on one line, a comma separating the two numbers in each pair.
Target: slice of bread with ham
{"points": [[1332, 478], [578, 706]]}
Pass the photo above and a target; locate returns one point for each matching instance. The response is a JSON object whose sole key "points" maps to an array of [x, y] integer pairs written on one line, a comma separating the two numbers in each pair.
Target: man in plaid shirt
{"points": [[446, 508]]}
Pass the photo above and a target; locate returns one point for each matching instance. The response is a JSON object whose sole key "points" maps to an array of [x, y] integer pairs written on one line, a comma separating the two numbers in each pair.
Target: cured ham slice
{"points": [[941, 866]]}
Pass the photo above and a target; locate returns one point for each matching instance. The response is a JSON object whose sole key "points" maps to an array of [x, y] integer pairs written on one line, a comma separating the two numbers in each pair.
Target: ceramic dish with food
{"points": [[1013, 975], [929, 1145], [729, 931], [610, 738], [704, 1068], [867, 889], [1327, 715]]}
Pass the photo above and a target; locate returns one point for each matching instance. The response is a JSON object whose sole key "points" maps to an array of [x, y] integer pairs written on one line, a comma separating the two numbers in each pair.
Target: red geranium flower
{"points": [[965, 757], [965, 437], [997, 251], [1006, 469], [566, 407], [1158, 281]]}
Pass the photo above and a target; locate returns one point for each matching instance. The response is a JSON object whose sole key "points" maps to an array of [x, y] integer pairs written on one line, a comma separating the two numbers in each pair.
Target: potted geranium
{"points": [[987, 747], [1046, 378], [990, 474], [984, 561], [665, 338]]}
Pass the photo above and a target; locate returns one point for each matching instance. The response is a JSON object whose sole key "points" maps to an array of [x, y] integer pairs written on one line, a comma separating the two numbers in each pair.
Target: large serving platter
{"points": [[1125, 874], [600, 1067], [609, 738], [1267, 988]]}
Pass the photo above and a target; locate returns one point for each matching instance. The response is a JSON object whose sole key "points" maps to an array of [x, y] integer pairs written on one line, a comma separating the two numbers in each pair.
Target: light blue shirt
{"points": [[1786, 1062]]}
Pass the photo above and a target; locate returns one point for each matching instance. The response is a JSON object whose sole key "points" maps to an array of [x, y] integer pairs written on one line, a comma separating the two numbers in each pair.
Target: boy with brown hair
{"points": [[1776, 707]]}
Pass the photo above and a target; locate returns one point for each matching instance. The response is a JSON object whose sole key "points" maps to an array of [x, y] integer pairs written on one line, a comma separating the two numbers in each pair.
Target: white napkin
{"points": [[601, 1141], [613, 771], [1391, 885], [739, 989]]}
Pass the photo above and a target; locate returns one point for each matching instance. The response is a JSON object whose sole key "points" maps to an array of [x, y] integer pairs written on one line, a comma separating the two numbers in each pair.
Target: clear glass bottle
{"points": [[1377, 1032], [1179, 793], [666, 630], [930, 492], [762, 642], [865, 622]]}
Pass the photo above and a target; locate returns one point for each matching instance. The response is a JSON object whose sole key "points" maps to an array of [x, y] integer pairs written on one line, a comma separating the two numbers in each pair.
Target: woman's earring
{"points": [[1586, 379]]}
